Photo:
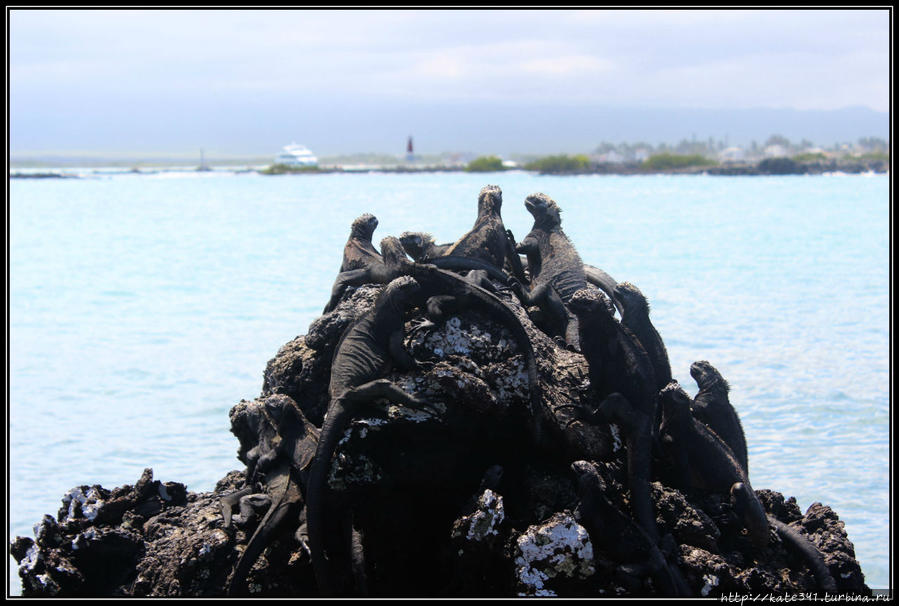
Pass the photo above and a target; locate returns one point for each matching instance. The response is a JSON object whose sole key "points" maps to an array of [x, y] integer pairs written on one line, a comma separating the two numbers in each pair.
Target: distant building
{"points": [[642, 154], [732, 154], [410, 151], [612, 157], [775, 151]]}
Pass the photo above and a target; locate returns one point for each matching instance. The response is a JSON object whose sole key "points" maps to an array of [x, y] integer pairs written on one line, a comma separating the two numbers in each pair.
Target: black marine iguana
{"points": [[488, 240], [617, 533], [556, 269], [367, 351], [359, 252], [623, 378], [700, 459], [635, 316], [421, 246], [712, 406], [394, 263], [285, 479]]}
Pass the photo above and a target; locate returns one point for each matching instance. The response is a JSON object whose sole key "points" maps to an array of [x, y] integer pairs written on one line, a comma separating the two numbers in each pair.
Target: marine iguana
{"points": [[702, 460], [712, 406], [556, 269], [622, 376], [367, 350], [359, 252], [617, 534], [285, 477], [421, 246], [635, 316], [488, 240], [394, 264]]}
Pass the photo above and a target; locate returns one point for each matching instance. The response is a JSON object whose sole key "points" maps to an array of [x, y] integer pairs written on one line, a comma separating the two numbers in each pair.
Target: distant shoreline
{"points": [[783, 167]]}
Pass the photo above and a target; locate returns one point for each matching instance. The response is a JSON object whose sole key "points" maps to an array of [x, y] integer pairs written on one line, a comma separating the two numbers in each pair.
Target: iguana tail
{"points": [[462, 263], [332, 427], [339, 413], [808, 550], [605, 282], [279, 512]]}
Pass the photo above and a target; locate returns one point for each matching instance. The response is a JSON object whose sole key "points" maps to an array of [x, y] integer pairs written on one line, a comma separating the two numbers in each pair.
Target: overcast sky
{"points": [[246, 81]]}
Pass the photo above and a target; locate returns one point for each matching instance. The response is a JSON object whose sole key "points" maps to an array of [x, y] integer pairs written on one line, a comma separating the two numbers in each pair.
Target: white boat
{"points": [[296, 155]]}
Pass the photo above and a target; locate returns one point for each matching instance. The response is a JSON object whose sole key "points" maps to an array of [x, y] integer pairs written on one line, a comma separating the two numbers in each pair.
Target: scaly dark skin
{"points": [[617, 534], [395, 264], [284, 478], [488, 240], [702, 460], [635, 316], [555, 267], [623, 378], [359, 252], [421, 246], [712, 406], [367, 351]]}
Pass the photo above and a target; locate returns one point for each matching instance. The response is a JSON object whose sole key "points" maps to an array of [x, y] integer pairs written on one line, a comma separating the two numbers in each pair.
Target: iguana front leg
{"points": [[230, 501], [513, 258], [353, 277]]}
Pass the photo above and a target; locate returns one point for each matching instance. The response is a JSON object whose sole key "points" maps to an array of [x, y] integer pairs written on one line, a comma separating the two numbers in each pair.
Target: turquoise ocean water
{"points": [[143, 307]]}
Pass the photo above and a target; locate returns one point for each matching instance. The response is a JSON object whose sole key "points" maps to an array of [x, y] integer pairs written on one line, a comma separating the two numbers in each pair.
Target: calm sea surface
{"points": [[143, 307]]}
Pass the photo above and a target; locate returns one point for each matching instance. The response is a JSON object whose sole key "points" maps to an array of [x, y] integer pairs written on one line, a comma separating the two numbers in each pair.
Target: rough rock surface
{"points": [[427, 524]]}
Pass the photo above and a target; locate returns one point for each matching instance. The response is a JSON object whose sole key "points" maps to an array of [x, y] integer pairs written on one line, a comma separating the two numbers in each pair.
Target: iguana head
{"points": [[546, 212], [589, 302], [364, 226], [490, 200], [414, 243], [674, 401], [401, 290], [588, 476], [707, 376], [283, 411], [392, 251], [748, 507], [632, 300]]}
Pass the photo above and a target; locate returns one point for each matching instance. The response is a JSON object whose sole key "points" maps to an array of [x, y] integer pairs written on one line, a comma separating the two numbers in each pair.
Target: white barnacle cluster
{"points": [[559, 547], [88, 502], [450, 340], [468, 340], [485, 520], [511, 379]]}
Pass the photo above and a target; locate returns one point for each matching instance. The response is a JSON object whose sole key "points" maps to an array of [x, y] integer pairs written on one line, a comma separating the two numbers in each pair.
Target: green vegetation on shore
{"points": [[485, 164], [668, 161], [560, 164]]}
